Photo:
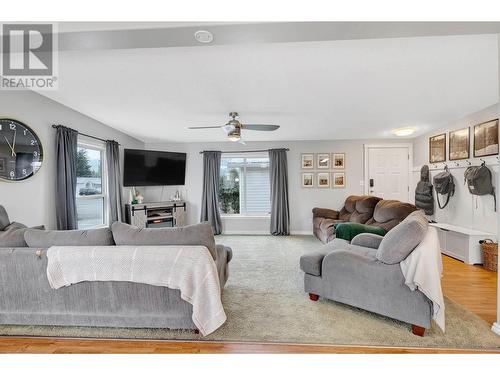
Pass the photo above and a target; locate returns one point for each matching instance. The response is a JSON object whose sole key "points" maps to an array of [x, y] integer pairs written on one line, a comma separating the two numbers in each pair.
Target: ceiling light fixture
{"points": [[403, 132], [204, 36]]}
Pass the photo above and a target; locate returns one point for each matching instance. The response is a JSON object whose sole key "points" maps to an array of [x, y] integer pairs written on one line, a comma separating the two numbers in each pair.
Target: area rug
{"points": [[265, 302]]}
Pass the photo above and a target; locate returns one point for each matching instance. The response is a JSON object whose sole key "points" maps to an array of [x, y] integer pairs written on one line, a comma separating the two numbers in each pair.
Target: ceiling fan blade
{"points": [[261, 127], [204, 127]]}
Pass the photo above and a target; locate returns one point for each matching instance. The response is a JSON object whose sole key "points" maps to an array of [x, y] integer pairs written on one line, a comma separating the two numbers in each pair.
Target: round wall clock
{"points": [[21, 152]]}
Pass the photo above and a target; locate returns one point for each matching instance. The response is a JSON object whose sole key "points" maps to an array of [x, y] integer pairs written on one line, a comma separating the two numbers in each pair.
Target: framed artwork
{"points": [[323, 179], [437, 148], [486, 139], [459, 144], [338, 179], [338, 161], [307, 180], [323, 161], [307, 161]]}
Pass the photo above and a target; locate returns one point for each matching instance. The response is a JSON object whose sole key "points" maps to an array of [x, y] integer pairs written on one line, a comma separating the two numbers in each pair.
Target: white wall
{"points": [[302, 200], [464, 209], [32, 201]]}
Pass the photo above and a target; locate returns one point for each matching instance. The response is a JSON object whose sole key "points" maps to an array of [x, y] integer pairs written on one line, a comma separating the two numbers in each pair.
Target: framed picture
{"points": [[307, 161], [437, 148], [323, 179], [338, 179], [307, 180], [486, 139], [459, 144], [323, 161], [338, 161]]}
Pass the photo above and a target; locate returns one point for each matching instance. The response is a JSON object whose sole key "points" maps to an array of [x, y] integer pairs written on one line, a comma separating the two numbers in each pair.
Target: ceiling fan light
{"points": [[234, 137]]}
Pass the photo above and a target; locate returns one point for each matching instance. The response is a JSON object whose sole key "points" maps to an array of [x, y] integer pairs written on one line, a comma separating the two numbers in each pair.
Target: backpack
{"points": [[479, 181], [444, 185]]}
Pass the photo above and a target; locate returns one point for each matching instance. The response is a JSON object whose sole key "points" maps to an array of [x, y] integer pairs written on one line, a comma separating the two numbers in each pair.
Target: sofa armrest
{"points": [[325, 212], [370, 240]]}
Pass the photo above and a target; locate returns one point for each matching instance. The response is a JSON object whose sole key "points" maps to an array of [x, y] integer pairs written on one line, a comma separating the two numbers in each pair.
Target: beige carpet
{"points": [[264, 301]]}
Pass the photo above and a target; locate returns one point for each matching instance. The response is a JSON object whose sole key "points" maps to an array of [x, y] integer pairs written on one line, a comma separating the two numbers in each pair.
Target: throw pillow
{"points": [[401, 240]]}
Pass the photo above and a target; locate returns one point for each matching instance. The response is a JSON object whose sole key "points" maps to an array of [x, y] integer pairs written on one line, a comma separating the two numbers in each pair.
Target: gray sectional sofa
{"points": [[27, 298], [366, 273]]}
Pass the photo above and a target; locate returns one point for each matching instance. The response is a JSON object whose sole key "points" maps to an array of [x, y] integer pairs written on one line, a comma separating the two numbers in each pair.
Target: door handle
{"points": [[371, 182]]}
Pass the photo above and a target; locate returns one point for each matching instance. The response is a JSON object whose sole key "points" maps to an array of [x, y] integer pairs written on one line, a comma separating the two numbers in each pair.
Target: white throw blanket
{"points": [[423, 269], [191, 269]]}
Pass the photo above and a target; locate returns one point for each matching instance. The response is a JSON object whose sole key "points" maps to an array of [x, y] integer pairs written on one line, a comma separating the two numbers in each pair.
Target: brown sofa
{"points": [[361, 209]]}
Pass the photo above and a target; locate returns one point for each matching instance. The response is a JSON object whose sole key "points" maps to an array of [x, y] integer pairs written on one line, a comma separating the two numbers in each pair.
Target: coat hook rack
{"points": [[468, 162], [457, 164]]}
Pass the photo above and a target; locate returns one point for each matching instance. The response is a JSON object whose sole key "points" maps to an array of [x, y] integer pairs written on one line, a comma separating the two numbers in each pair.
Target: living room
{"points": [[309, 186]]}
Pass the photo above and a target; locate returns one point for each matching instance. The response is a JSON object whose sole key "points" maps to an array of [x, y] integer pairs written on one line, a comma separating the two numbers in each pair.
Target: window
{"points": [[91, 185], [244, 185]]}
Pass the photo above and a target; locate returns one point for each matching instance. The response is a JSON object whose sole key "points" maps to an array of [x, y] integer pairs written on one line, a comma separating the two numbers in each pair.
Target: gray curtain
{"points": [[114, 181], [278, 174], [66, 145], [210, 198]]}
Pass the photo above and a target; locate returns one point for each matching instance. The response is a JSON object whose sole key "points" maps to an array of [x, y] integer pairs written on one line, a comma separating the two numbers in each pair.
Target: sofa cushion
{"points": [[399, 242], [4, 218], [13, 236], [311, 263], [89, 237], [198, 234], [364, 208], [347, 231], [389, 213]]}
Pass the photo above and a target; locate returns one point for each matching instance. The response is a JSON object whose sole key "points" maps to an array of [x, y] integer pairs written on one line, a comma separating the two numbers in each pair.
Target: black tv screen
{"points": [[153, 168]]}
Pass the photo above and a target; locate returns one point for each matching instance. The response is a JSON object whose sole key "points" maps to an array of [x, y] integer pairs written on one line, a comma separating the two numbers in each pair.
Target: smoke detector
{"points": [[204, 36]]}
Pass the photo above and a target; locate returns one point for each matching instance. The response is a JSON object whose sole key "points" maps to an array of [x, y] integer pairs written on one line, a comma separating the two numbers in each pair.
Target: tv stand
{"points": [[156, 214]]}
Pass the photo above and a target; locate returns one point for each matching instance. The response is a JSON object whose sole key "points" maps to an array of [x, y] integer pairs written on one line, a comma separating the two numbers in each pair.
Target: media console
{"points": [[156, 214]]}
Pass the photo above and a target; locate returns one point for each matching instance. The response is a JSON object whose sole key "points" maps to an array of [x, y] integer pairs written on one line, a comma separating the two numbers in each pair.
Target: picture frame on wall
{"points": [[323, 161], [323, 179], [486, 139], [338, 180], [338, 160], [437, 148], [307, 179], [459, 144], [307, 161]]}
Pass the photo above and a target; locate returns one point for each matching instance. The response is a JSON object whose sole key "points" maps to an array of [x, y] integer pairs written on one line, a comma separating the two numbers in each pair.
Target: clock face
{"points": [[21, 152]]}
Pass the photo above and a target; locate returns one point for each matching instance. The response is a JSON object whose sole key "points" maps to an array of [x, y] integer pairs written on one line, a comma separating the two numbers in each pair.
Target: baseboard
{"points": [[496, 328], [301, 233]]}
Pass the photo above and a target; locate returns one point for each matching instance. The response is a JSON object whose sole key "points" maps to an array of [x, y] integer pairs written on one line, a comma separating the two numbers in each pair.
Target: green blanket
{"points": [[347, 231]]}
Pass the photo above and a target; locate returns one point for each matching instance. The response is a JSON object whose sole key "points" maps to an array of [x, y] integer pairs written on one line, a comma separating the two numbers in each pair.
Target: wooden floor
{"points": [[470, 286]]}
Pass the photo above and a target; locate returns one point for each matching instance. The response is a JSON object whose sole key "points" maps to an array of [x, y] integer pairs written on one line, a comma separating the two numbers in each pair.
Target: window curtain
{"points": [[114, 181], [210, 197], [66, 149], [278, 173]]}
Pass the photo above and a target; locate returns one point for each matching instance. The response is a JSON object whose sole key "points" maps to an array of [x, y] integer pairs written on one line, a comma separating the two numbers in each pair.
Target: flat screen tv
{"points": [[153, 168]]}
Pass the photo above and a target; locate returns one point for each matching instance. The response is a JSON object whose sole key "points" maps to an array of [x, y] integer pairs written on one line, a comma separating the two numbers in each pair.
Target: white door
{"points": [[388, 173]]}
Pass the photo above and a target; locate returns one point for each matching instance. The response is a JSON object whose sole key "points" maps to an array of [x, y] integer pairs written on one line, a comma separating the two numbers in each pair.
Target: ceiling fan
{"points": [[233, 128]]}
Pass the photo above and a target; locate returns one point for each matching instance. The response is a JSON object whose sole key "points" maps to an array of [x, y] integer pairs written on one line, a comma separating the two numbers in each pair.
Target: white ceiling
{"points": [[316, 90]]}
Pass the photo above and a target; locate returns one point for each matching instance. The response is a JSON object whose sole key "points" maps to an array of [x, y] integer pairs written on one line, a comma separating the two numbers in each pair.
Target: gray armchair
{"points": [[366, 274]]}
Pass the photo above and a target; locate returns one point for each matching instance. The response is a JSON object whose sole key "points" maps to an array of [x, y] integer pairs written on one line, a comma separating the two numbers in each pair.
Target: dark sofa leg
{"points": [[416, 330], [313, 297], [197, 331]]}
